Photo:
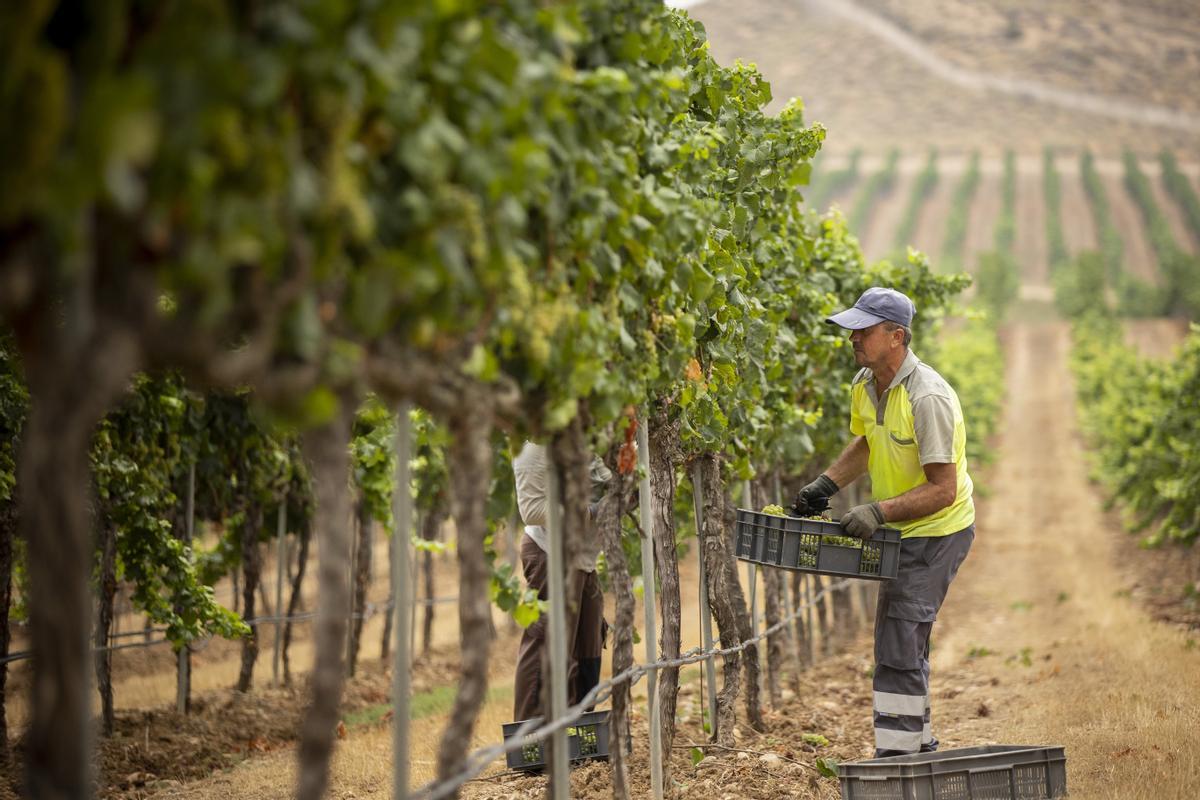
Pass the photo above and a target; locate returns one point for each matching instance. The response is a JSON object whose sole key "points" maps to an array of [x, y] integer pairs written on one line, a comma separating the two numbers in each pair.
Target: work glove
{"points": [[862, 521], [814, 498]]}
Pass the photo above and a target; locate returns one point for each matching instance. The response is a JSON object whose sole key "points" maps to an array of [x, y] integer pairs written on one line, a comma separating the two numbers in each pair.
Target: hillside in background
{"points": [[874, 92]]}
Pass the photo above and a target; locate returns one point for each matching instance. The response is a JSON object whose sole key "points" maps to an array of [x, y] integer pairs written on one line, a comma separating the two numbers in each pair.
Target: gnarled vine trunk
{"points": [[183, 523], [305, 537], [820, 583], [362, 578], [469, 460], [774, 585], [745, 624], [8, 524], [803, 624], [107, 591], [73, 381], [252, 574], [664, 455], [430, 525], [328, 453], [716, 554], [385, 641], [608, 523]]}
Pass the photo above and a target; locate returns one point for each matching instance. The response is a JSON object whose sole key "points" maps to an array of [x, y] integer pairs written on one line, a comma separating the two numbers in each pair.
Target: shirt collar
{"points": [[906, 367]]}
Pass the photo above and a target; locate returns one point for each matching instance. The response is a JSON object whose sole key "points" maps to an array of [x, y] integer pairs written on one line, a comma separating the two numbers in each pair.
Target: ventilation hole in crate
{"points": [[884, 790], [991, 785], [952, 787], [1030, 782], [772, 553], [809, 545], [589, 740], [871, 558]]}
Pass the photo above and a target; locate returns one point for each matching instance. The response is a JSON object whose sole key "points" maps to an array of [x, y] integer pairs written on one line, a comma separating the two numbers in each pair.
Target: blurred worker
{"points": [[909, 436], [585, 630]]}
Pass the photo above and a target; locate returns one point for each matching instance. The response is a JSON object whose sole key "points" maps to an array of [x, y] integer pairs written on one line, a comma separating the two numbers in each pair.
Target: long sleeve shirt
{"points": [[530, 468]]}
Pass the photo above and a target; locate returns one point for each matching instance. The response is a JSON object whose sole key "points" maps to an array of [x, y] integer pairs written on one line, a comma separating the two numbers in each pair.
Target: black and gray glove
{"points": [[814, 498], [862, 521]]}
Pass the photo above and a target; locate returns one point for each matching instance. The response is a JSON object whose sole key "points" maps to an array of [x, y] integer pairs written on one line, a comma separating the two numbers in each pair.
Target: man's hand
{"points": [[864, 520], [814, 498]]}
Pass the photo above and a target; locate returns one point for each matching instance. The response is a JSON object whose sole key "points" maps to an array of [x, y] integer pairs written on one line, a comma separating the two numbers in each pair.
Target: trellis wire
{"points": [[372, 610]]}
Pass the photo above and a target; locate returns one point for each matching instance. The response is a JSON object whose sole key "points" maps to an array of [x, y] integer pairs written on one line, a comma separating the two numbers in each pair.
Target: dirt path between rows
{"points": [[1031, 222], [1076, 662], [1079, 229], [981, 220], [878, 236], [1170, 209], [1139, 256], [930, 234]]}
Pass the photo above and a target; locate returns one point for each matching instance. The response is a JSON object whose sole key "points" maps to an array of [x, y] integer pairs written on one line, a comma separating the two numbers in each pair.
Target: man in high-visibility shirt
{"points": [[909, 436]]}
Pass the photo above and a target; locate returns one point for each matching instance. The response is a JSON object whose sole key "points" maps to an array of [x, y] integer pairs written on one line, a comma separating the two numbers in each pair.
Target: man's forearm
{"points": [[919, 501], [851, 464]]}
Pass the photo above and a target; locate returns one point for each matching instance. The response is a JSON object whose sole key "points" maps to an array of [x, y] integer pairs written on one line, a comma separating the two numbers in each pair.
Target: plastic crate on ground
{"points": [[819, 546], [586, 739], [990, 772]]}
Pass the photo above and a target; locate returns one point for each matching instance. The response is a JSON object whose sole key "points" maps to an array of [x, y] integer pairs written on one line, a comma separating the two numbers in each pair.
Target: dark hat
{"points": [[876, 305]]}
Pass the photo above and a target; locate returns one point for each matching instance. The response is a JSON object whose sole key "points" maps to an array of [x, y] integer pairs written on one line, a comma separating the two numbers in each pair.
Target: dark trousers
{"points": [[904, 619], [585, 635]]}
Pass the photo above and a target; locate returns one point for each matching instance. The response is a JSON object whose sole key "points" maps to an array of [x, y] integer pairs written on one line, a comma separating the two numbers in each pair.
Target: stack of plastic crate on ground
{"points": [[990, 772]]}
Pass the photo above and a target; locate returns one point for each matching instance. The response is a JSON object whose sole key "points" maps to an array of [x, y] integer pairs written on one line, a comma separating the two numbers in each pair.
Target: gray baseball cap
{"points": [[874, 306]]}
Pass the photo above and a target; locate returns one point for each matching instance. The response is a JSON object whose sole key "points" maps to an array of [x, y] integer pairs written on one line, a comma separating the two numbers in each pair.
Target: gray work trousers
{"points": [[904, 618]]}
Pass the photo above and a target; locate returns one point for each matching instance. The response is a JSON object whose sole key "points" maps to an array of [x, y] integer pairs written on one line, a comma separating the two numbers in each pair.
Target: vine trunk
{"points": [[8, 523], [305, 536], [469, 461], [362, 577], [73, 380], [664, 455], [746, 630], [327, 450], [251, 574], [104, 620], [716, 556]]}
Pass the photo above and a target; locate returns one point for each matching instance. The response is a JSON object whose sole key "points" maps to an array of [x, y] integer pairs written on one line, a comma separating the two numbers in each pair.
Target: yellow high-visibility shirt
{"points": [[918, 421]]}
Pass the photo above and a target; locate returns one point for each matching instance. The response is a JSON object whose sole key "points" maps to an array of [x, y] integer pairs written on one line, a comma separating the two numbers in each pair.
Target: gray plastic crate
{"points": [[990, 772], [586, 739], [818, 546]]}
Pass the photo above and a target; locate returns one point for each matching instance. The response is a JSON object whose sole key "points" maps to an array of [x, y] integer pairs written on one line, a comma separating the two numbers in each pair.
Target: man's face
{"points": [[872, 345]]}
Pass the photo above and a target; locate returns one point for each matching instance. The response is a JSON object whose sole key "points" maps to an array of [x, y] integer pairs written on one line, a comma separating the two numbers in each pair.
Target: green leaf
{"points": [[697, 755], [526, 614], [828, 767]]}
